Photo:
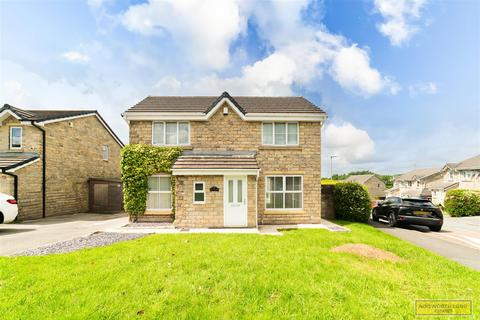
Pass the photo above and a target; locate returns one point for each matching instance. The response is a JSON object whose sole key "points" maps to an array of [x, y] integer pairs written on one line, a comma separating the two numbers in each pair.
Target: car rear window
{"points": [[417, 202]]}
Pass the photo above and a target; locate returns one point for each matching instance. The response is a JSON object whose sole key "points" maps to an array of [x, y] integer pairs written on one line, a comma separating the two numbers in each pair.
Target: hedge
{"points": [[351, 201], [137, 164], [462, 203]]}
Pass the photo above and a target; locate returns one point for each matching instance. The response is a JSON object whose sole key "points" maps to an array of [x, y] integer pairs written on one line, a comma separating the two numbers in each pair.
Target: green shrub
{"points": [[329, 182], [462, 203], [352, 202], [138, 163]]}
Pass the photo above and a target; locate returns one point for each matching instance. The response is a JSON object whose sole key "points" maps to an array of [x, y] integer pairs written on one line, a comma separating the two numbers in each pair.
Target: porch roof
{"points": [[216, 162], [10, 161]]}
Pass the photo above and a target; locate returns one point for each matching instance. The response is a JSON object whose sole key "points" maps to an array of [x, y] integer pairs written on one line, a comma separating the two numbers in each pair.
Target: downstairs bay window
{"points": [[284, 192], [159, 193]]}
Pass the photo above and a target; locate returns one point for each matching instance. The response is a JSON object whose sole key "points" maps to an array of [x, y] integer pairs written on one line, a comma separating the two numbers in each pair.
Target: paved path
{"points": [[28, 235], [459, 239]]}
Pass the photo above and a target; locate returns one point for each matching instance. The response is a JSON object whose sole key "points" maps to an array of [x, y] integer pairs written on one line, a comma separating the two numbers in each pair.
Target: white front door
{"points": [[235, 201]]}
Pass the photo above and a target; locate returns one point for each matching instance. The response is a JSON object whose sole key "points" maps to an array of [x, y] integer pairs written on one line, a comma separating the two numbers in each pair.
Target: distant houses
{"points": [[375, 186], [433, 183]]}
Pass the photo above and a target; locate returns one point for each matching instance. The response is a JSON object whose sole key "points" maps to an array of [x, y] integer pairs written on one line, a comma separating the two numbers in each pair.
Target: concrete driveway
{"points": [[459, 239], [19, 237]]}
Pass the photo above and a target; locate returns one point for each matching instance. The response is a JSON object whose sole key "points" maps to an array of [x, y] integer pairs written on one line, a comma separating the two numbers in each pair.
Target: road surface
{"points": [[458, 240]]}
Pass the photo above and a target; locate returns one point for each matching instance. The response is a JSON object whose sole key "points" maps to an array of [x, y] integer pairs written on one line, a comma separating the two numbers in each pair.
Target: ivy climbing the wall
{"points": [[138, 163]]}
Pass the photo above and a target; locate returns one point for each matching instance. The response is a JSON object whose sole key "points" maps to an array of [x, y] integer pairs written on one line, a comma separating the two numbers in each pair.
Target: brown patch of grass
{"points": [[367, 251]]}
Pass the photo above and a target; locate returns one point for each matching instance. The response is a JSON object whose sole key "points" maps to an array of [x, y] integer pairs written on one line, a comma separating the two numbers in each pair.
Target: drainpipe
{"points": [[44, 162], [15, 183]]}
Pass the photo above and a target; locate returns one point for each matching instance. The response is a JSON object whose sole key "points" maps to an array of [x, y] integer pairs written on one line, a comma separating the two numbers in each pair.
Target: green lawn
{"points": [[232, 276]]}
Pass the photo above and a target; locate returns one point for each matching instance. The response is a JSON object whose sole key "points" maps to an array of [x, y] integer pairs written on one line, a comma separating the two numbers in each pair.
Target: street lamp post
{"points": [[331, 165]]}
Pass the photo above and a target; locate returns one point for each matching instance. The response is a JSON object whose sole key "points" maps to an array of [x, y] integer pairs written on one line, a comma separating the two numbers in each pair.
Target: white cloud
{"points": [[399, 19], [203, 29], [95, 3], [350, 144], [422, 88], [168, 85], [76, 57], [351, 69], [25, 89], [300, 52]]}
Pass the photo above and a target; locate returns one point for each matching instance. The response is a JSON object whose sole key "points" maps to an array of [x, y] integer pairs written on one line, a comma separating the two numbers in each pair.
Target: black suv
{"points": [[405, 211]]}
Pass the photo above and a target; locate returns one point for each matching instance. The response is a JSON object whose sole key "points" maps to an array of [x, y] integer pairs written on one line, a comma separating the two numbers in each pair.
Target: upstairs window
{"points": [[159, 193], [280, 133], [105, 153], [15, 137], [170, 133]]}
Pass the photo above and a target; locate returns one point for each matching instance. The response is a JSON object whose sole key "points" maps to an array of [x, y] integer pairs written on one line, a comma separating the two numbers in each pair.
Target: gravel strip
{"points": [[97, 239]]}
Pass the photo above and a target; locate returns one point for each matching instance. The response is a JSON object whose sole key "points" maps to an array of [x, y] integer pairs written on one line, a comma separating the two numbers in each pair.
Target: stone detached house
{"points": [[47, 157], [246, 160], [462, 175], [413, 184], [375, 186], [434, 183]]}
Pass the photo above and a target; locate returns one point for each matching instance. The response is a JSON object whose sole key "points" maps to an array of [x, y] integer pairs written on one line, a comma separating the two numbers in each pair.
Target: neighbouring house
{"points": [[461, 175], [413, 184], [375, 186], [246, 160], [48, 156]]}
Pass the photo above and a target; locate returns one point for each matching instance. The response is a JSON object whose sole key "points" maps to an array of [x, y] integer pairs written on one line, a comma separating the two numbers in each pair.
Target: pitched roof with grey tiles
{"points": [[44, 115], [360, 178], [203, 104], [12, 160], [417, 174], [472, 163]]}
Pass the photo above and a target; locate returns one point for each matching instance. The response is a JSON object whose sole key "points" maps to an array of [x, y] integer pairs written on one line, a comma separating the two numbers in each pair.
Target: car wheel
{"points": [[392, 221], [436, 228], [374, 215]]}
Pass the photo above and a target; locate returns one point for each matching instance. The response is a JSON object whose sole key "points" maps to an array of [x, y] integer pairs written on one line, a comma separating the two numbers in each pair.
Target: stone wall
{"points": [[74, 154], [376, 187], [230, 132], [29, 177], [210, 213], [328, 208]]}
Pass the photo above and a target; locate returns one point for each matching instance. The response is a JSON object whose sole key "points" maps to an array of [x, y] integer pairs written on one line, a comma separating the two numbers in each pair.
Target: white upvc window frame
{"points": [[286, 144], [11, 135], [165, 133], [198, 191], [284, 191], [160, 192], [105, 152]]}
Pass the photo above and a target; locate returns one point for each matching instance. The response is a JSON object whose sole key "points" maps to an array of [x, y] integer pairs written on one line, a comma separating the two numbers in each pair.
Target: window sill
{"points": [[289, 148], [158, 212], [289, 211], [183, 146]]}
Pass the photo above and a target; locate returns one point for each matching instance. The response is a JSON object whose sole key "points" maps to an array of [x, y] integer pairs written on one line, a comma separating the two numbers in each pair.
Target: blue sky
{"points": [[400, 80]]}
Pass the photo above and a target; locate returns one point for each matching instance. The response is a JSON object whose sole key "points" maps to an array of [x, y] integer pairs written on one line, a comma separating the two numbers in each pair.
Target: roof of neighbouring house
{"points": [[417, 174], [360, 178], [216, 160], [40, 116], [472, 163], [441, 185], [13, 160], [245, 104], [45, 115]]}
